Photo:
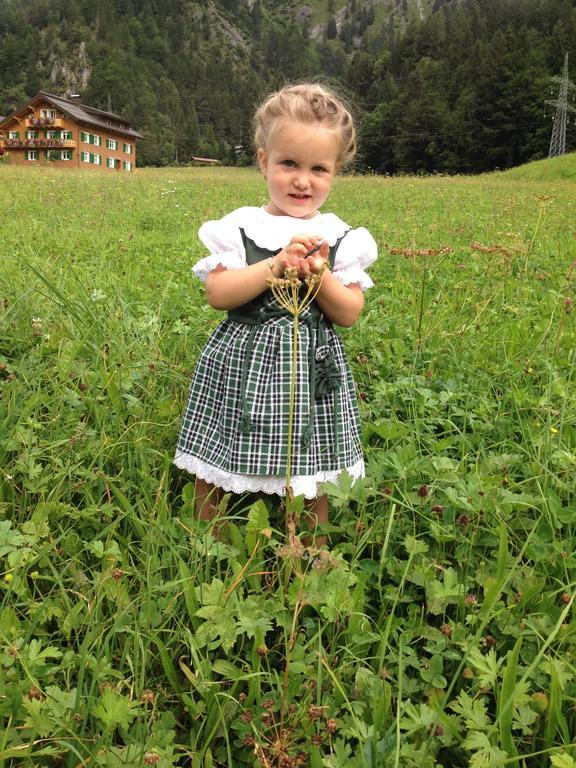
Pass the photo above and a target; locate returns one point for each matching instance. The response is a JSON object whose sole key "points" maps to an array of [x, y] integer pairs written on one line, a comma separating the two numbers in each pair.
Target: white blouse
{"points": [[222, 238]]}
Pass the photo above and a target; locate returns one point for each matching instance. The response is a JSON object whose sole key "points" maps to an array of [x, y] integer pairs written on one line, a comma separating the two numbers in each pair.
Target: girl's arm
{"points": [[340, 303], [230, 288]]}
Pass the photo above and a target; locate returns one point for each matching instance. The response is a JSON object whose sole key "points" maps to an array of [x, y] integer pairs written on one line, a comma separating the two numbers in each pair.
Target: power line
{"points": [[558, 139]]}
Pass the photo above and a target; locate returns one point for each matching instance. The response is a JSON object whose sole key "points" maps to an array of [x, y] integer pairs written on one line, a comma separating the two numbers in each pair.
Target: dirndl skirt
{"points": [[245, 371]]}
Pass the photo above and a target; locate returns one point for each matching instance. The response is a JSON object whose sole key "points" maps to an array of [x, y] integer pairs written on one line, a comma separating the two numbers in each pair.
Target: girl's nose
{"points": [[301, 179]]}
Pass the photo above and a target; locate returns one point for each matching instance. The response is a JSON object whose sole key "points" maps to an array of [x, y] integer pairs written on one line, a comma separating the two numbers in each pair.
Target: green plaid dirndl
{"points": [[236, 418]]}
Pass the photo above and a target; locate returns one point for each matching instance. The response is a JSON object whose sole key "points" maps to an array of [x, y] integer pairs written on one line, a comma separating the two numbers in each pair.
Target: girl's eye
{"points": [[288, 163], [319, 169]]}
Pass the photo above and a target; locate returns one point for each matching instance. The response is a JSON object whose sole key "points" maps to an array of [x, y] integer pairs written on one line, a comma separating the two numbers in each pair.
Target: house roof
{"points": [[82, 114]]}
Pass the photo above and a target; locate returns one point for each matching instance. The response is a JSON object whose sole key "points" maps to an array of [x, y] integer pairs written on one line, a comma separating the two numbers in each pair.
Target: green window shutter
{"points": [[91, 157]]}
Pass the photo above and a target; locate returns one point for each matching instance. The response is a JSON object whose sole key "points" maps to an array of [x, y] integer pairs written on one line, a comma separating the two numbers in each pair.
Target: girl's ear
{"points": [[262, 161]]}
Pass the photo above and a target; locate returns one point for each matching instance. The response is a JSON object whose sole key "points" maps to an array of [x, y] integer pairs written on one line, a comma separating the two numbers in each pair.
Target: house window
{"points": [[51, 113], [127, 165], [111, 144], [127, 148], [13, 135], [96, 159], [110, 162], [85, 156], [67, 135], [95, 139], [31, 134], [85, 137], [52, 134], [58, 154], [32, 154]]}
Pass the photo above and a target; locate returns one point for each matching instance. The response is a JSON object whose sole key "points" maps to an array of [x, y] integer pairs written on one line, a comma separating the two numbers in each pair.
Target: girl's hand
{"points": [[295, 255]]}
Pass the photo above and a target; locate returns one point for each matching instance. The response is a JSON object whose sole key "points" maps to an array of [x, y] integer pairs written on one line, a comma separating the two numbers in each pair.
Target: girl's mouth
{"points": [[297, 196]]}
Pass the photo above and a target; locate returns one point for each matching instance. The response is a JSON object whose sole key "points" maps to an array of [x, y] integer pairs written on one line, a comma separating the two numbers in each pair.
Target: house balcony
{"points": [[39, 144], [44, 122]]}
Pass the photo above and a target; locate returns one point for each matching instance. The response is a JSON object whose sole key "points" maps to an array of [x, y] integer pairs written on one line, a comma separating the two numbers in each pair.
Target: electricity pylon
{"points": [[558, 140]]}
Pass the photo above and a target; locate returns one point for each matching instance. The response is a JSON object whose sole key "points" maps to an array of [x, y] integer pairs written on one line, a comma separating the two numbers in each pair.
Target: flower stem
{"points": [[292, 399]]}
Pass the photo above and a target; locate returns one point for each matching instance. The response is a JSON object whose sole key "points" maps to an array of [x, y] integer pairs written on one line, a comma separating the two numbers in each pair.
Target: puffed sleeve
{"points": [[223, 240], [356, 252]]}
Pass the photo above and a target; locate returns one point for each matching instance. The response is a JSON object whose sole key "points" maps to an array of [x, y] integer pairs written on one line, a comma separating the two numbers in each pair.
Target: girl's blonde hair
{"points": [[306, 103]]}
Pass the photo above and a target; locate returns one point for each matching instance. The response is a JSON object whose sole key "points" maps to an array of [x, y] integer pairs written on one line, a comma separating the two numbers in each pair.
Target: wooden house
{"points": [[68, 134]]}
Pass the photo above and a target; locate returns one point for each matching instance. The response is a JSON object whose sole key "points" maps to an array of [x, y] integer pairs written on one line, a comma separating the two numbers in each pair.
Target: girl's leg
{"points": [[207, 499], [317, 514]]}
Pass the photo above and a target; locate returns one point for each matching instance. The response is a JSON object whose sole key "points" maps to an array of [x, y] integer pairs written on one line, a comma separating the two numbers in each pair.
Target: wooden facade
{"points": [[67, 134]]}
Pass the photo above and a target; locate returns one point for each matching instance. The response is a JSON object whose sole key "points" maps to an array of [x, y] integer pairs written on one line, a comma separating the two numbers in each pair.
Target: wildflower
{"points": [[446, 629], [8, 578], [148, 696], [554, 430], [117, 574], [467, 673], [331, 725], [470, 599], [314, 712], [35, 694], [540, 699], [438, 509], [565, 598], [262, 651], [151, 758], [423, 491], [463, 520]]}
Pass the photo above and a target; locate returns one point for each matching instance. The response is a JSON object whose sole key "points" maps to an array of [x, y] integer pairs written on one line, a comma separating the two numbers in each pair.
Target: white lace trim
{"points": [[302, 485], [354, 275], [230, 260]]}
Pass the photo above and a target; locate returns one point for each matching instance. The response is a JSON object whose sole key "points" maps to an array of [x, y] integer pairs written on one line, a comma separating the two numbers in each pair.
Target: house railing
{"points": [[36, 143], [44, 122]]}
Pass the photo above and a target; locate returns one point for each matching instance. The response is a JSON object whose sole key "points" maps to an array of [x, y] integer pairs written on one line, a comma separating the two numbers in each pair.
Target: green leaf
{"points": [[115, 710], [38, 719], [211, 594], [440, 594], [10, 539], [472, 710], [563, 760], [258, 518], [486, 665], [414, 546]]}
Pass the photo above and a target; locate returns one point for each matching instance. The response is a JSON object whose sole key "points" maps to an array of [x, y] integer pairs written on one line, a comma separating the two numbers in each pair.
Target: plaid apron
{"points": [[237, 413]]}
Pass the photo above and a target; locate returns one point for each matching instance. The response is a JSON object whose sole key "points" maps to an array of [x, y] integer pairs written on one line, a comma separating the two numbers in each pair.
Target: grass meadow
{"points": [[438, 628]]}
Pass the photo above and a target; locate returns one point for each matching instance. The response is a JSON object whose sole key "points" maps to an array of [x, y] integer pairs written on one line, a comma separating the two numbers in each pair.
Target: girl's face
{"points": [[299, 167]]}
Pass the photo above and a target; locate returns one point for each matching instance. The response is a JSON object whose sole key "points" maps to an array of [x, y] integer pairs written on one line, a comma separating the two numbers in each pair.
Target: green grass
{"points": [[439, 629], [562, 168]]}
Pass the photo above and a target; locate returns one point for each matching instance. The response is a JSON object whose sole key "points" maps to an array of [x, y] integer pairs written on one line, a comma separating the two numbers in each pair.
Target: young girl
{"points": [[234, 433]]}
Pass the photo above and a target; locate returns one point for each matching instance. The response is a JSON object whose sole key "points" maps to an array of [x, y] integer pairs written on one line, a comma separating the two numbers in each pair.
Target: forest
{"points": [[460, 87]]}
